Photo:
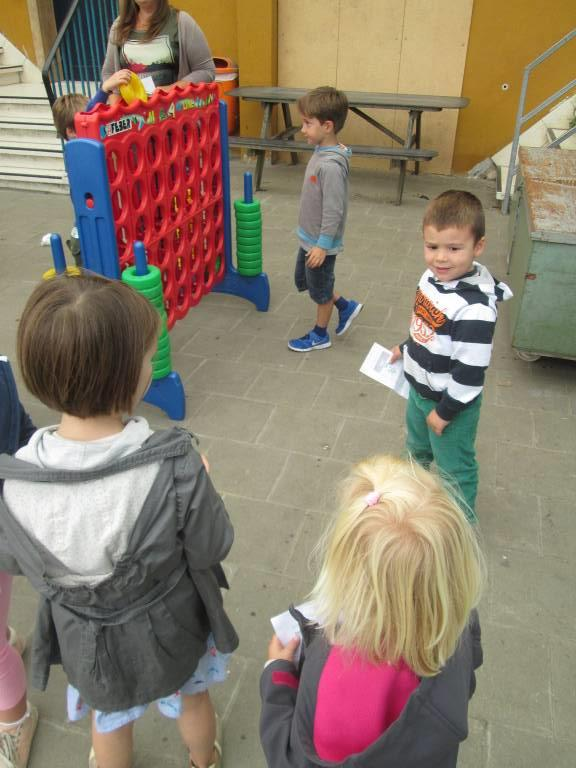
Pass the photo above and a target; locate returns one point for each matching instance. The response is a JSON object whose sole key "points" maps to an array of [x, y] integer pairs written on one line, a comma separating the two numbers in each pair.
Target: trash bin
{"points": [[227, 79]]}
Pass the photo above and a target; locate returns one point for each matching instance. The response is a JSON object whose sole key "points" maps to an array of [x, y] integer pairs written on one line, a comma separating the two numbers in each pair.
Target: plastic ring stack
{"points": [[147, 280], [248, 232]]}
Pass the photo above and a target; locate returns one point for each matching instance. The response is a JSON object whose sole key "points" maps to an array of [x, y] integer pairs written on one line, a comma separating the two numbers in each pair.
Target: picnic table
{"points": [[409, 148]]}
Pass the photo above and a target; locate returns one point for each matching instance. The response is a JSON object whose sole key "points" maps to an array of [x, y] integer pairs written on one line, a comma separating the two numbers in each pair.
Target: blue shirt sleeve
{"points": [[100, 97]]}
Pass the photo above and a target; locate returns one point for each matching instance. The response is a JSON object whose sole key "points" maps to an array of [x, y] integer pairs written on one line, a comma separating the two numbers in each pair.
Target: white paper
{"points": [[148, 83], [286, 627], [377, 366]]}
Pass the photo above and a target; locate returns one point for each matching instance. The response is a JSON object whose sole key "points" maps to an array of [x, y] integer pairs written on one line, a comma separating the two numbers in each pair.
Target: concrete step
{"points": [[10, 74], [29, 106], [37, 156], [27, 129], [20, 177]]}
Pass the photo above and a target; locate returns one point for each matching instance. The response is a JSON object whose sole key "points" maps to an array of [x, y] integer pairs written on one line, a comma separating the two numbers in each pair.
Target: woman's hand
{"points": [[122, 77]]}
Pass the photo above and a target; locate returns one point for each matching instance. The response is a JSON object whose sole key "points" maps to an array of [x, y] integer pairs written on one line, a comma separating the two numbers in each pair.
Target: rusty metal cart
{"points": [[542, 262]]}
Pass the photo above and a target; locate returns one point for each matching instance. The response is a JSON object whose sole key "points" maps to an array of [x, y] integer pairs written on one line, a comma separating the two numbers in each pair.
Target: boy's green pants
{"points": [[453, 450]]}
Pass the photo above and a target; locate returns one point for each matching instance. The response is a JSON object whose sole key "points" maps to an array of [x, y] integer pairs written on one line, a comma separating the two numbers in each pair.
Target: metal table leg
{"points": [[261, 153], [289, 126], [417, 140], [408, 143]]}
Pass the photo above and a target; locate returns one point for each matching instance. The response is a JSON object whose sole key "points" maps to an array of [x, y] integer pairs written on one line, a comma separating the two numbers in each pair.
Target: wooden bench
{"points": [[401, 154], [358, 101]]}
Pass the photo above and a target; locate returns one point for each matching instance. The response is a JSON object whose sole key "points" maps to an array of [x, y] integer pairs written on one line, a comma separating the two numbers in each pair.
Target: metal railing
{"points": [[75, 60], [522, 118]]}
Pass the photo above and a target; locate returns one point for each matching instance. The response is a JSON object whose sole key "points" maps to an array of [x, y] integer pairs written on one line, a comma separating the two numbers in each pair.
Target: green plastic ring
{"points": [[250, 266], [152, 294], [151, 280], [249, 251], [241, 207], [249, 261], [242, 226], [249, 272], [249, 242], [163, 349], [162, 362], [162, 373], [247, 218]]}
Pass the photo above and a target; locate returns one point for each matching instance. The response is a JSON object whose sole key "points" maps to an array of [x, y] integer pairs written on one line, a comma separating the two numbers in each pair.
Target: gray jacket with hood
{"points": [[137, 635], [324, 199], [427, 734]]}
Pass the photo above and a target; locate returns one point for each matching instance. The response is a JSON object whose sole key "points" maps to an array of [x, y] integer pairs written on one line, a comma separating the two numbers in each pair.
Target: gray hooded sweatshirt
{"points": [[137, 634], [427, 733], [324, 199]]}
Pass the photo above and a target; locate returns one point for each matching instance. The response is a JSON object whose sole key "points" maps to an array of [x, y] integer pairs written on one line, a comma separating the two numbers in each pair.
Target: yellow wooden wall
{"points": [[410, 46], [218, 19], [504, 37], [15, 24]]}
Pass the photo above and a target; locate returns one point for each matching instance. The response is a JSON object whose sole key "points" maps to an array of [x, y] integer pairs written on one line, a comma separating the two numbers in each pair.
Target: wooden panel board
{"points": [[434, 45]]}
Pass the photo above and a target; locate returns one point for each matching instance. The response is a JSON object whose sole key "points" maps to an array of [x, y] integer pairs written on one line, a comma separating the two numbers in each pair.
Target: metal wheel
{"points": [[527, 357]]}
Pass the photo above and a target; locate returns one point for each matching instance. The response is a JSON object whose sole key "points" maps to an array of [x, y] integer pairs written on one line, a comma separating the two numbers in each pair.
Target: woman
{"points": [[156, 41]]}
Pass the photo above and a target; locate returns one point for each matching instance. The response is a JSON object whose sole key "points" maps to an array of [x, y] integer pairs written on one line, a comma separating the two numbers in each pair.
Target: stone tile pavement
{"points": [[280, 429]]}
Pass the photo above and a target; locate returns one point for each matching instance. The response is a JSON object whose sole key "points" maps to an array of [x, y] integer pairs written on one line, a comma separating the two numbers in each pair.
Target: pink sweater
{"points": [[357, 701]]}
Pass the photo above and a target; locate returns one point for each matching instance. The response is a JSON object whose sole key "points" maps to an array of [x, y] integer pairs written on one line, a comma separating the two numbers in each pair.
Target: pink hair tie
{"points": [[372, 498]]}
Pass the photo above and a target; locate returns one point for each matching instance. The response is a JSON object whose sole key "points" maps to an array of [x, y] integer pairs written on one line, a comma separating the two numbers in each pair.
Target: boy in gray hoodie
{"points": [[323, 209]]}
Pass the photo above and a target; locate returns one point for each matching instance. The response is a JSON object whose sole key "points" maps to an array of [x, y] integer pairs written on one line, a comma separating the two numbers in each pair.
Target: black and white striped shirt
{"points": [[450, 343]]}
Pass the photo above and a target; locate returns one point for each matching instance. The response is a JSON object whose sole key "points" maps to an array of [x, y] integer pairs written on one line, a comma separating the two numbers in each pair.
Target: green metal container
{"points": [[543, 255]]}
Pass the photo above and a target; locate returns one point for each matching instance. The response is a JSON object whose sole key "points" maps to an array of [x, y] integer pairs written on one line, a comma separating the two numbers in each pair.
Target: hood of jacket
{"points": [[337, 153]]}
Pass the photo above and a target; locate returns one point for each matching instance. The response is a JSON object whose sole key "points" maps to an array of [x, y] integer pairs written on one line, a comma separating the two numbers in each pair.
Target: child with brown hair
{"points": [[450, 342], [323, 210], [64, 111], [65, 107], [118, 528], [388, 670]]}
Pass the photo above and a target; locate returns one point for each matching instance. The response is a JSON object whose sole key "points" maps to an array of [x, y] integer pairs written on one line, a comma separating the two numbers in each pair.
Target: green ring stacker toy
{"points": [[150, 286], [248, 232]]}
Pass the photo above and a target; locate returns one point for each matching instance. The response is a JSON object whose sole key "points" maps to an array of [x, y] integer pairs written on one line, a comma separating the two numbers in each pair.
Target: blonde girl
{"points": [[387, 674]]}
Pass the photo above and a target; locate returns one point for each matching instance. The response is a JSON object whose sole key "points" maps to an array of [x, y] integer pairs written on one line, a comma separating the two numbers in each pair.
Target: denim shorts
{"points": [[212, 668], [319, 282]]}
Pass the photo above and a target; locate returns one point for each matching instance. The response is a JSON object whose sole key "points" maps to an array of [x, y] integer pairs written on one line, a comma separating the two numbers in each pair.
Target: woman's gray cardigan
{"points": [[138, 635], [195, 63]]}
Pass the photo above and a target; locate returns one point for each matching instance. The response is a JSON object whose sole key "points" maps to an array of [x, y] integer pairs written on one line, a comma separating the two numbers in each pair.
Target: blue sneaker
{"points": [[310, 341], [347, 315]]}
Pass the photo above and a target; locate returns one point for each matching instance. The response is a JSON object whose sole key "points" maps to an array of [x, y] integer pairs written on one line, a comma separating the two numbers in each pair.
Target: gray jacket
{"points": [[137, 635], [324, 199], [427, 733], [195, 62]]}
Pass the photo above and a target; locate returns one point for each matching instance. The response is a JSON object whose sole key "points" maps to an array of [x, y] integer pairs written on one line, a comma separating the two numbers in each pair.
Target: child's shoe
{"points": [[310, 341], [16, 641], [15, 744], [347, 315]]}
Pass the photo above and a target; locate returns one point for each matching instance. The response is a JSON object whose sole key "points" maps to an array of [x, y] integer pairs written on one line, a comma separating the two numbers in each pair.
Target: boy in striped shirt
{"points": [[450, 342]]}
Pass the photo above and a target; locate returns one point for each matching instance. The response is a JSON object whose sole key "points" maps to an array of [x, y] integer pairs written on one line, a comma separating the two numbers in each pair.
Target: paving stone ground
{"points": [[281, 428]]}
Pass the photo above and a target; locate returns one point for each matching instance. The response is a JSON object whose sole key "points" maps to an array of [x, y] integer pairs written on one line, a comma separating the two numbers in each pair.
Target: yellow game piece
{"points": [[71, 271], [133, 90]]}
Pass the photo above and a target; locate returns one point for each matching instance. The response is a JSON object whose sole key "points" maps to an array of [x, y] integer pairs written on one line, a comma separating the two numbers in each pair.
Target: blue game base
{"points": [[168, 395], [255, 289]]}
